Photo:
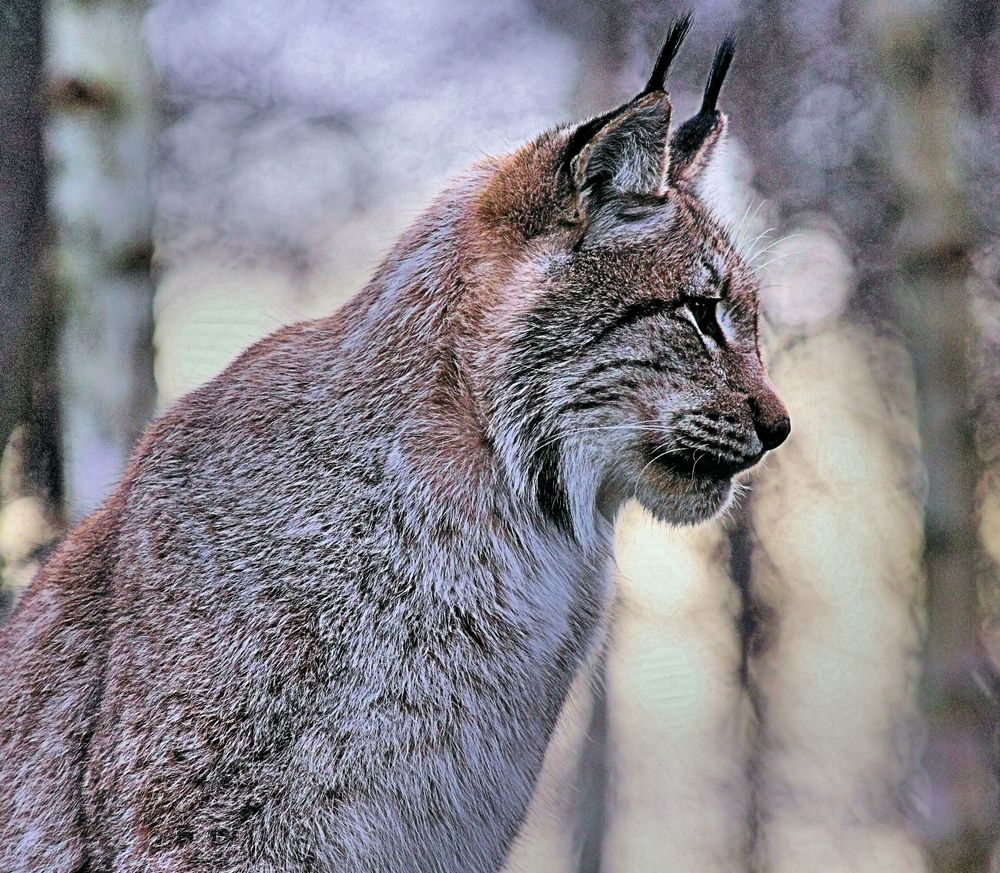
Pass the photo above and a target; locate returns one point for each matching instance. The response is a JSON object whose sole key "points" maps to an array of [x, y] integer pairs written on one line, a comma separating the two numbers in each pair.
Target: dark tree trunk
{"points": [[22, 198], [29, 320], [934, 246]]}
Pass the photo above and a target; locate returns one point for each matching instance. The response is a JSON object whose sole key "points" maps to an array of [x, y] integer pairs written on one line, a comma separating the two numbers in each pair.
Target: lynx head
{"points": [[628, 317]]}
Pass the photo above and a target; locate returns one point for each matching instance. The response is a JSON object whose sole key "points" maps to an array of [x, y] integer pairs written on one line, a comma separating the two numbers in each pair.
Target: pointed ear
{"points": [[694, 142], [626, 151], [628, 155]]}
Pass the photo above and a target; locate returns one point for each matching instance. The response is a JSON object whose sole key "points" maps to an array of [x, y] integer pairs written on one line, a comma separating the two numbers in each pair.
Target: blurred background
{"points": [[809, 684]]}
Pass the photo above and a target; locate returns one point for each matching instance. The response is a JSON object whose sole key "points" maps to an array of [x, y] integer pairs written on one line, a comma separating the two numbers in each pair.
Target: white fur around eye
{"points": [[725, 322]]}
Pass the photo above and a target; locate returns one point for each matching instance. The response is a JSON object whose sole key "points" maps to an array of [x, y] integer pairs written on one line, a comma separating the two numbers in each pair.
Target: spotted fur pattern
{"points": [[329, 617]]}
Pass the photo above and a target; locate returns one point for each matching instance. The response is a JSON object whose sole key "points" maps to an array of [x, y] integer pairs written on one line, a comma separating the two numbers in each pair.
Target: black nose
{"points": [[773, 433]]}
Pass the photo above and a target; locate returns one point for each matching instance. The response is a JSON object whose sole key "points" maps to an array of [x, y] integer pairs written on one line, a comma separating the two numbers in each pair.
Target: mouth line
{"points": [[697, 463]]}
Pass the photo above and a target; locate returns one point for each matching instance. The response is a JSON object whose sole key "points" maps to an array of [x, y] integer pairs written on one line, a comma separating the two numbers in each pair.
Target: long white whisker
{"points": [[754, 214], [749, 248], [775, 259], [770, 248], [778, 241], [738, 230]]}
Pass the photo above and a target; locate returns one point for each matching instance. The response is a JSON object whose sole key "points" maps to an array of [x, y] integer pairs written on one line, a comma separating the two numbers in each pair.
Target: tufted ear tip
{"points": [[717, 75], [694, 142], [630, 150], [664, 60], [587, 133]]}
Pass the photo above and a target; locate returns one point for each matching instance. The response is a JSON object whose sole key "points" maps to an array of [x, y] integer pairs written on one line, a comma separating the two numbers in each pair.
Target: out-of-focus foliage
{"points": [[304, 139]]}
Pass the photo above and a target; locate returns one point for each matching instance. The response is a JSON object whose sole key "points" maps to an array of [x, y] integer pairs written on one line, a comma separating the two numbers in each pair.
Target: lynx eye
{"points": [[704, 313]]}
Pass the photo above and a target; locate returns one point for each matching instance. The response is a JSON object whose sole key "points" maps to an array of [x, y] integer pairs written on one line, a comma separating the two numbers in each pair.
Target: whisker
{"points": [[713, 433], [738, 230], [750, 254], [775, 259], [778, 241], [757, 209], [740, 490], [768, 249]]}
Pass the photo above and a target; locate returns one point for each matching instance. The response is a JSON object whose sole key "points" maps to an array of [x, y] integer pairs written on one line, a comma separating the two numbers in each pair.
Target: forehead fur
{"points": [[526, 194], [594, 179]]}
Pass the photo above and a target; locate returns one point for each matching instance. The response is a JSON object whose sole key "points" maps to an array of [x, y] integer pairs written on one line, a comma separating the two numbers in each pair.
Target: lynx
{"points": [[329, 616]]}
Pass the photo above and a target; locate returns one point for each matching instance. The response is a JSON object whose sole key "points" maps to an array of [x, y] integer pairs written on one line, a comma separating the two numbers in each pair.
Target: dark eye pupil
{"points": [[704, 314]]}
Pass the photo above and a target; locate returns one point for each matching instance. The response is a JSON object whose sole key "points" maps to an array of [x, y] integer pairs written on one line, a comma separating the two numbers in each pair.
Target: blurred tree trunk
{"points": [[21, 198], [101, 142], [28, 311], [934, 246]]}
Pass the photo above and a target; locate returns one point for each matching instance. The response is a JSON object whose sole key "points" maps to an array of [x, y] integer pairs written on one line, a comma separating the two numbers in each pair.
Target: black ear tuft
{"points": [[657, 79], [720, 66], [695, 140], [626, 151], [675, 36]]}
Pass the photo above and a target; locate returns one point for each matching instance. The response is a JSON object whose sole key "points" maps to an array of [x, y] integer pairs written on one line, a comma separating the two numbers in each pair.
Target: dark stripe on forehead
{"points": [[660, 365], [631, 314]]}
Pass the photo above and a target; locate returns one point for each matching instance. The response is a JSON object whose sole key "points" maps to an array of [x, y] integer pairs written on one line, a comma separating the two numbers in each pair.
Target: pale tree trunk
{"points": [[549, 840], [936, 240], [101, 138], [986, 307], [837, 579], [678, 719]]}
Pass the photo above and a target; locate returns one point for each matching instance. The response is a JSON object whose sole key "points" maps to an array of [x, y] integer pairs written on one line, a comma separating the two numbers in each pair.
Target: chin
{"points": [[680, 501], [689, 506]]}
